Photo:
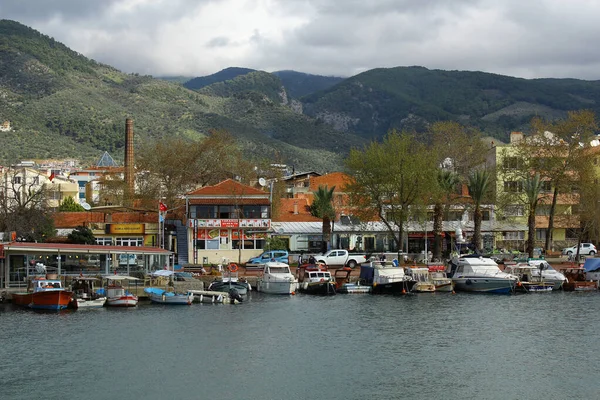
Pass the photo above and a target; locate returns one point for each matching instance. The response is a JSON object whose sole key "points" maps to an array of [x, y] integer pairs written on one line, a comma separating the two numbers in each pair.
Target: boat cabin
{"points": [[313, 273], [276, 268], [43, 285]]}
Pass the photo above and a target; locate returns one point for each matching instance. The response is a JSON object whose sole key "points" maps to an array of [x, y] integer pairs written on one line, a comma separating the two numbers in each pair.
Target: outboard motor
{"points": [[235, 295]]}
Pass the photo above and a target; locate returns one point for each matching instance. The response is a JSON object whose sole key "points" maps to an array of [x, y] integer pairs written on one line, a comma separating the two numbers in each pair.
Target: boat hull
{"points": [[318, 288], [219, 286], [580, 286], [353, 288], [400, 287], [122, 301], [270, 287], [485, 285], [423, 287], [443, 285], [89, 303], [47, 300], [176, 299]]}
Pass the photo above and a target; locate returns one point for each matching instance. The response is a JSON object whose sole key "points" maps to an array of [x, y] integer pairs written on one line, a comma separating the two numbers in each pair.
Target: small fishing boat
{"points": [[116, 294], [577, 280], [343, 284], [230, 280], [84, 294], [163, 296], [276, 278], [440, 279], [44, 294], [315, 279], [385, 277], [528, 282], [423, 282]]}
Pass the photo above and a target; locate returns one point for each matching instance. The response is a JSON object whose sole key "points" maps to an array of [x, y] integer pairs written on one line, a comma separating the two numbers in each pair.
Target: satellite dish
{"points": [[262, 182], [86, 206]]}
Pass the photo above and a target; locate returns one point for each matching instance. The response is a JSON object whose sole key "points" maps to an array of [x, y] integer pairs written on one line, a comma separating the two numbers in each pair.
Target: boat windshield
{"points": [[279, 270]]}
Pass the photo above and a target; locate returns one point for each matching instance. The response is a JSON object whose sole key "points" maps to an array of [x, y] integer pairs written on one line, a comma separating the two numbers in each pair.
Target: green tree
{"points": [[82, 235], [532, 188], [275, 243], [322, 207], [479, 187], [447, 182], [69, 204], [391, 180]]}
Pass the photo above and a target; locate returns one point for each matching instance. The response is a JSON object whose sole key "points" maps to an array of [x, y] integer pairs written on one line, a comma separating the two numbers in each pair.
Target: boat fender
{"points": [[164, 297], [322, 280], [468, 282]]}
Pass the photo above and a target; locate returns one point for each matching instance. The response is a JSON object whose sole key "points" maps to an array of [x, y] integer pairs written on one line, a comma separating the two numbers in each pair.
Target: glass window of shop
{"points": [[129, 241], [104, 241]]}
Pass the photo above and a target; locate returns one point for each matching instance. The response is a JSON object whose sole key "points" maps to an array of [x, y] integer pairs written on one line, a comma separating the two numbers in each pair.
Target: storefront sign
{"points": [[231, 223], [126, 228]]}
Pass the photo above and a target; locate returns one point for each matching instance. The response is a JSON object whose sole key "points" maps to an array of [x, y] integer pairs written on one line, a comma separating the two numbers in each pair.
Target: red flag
{"points": [[162, 206], [51, 177]]}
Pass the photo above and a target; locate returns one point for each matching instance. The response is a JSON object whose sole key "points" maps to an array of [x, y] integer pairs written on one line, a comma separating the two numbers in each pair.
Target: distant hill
{"points": [[176, 79], [411, 98], [221, 76], [62, 104], [299, 84]]}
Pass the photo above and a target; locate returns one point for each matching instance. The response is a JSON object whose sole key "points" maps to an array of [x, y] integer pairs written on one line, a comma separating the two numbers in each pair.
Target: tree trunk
{"points": [[438, 221], [548, 243], [326, 233], [477, 217], [530, 231]]}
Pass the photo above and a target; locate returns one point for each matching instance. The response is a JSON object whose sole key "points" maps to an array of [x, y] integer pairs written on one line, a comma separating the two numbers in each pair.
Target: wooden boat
{"points": [[343, 284], [44, 294], [576, 280], [528, 282], [276, 278], [116, 295], [440, 278], [84, 295], [315, 279], [163, 296], [423, 282]]}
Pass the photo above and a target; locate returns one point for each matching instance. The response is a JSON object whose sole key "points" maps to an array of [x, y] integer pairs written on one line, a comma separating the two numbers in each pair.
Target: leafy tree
{"points": [[447, 182], [532, 188], [479, 186], [82, 235], [69, 204], [322, 207], [391, 180], [275, 243]]}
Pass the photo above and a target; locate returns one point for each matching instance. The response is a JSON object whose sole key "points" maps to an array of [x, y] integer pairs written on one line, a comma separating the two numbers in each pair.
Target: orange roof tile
{"points": [[286, 211], [337, 179], [228, 187]]}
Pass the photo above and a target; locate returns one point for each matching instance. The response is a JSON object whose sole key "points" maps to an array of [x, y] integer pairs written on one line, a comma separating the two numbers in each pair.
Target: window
{"points": [[204, 212], [513, 163], [104, 241], [17, 180], [520, 235], [542, 210], [540, 234], [513, 186], [514, 211], [129, 241], [546, 186], [36, 180], [485, 215]]}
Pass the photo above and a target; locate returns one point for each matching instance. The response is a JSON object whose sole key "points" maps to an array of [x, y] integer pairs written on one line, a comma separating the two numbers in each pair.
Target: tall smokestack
{"points": [[129, 185]]}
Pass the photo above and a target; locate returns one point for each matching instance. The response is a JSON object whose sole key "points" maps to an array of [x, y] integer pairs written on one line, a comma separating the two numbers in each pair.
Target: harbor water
{"points": [[426, 346]]}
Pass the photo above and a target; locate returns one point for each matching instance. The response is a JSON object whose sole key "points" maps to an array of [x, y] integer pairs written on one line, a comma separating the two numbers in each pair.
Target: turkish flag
{"points": [[51, 177], [162, 206]]}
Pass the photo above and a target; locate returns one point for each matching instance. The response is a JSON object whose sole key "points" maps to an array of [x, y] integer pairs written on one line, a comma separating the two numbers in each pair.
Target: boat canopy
{"points": [[162, 272], [120, 278], [591, 264]]}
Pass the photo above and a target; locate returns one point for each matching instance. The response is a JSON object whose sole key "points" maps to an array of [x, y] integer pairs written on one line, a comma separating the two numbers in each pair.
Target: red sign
{"points": [[229, 223], [1, 251]]}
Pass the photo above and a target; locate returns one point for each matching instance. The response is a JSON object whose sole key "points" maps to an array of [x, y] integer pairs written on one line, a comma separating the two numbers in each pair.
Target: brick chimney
{"points": [[295, 208], [129, 162]]}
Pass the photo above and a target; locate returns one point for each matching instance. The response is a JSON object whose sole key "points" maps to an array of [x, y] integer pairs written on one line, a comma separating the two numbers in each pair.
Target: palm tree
{"points": [[447, 181], [532, 187], [322, 207], [479, 185]]}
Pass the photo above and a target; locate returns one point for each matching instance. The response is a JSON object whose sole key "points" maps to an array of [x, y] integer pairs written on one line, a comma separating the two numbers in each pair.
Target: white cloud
{"points": [[536, 38]]}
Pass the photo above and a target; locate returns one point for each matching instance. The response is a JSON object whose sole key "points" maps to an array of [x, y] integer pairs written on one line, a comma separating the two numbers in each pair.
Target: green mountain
{"points": [[299, 84], [221, 76], [62, 104], [375, 101]]}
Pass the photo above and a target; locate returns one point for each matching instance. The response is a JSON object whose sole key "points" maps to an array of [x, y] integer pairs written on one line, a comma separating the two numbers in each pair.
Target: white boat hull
{"points": [[271, 287], [443, 285], [178, 299], [124, 301], [484, 284], [88, 303]]}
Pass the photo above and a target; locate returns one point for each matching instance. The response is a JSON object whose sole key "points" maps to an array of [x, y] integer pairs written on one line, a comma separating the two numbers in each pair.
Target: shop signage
{"points": [[231, 223], [117, 229]]}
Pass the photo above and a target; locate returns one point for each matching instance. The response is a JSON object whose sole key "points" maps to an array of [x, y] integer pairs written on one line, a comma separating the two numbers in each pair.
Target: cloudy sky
{"points": [[526, 38]]}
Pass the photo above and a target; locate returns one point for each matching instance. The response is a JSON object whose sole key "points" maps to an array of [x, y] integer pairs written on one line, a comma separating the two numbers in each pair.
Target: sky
{"points": [[524, 38]]}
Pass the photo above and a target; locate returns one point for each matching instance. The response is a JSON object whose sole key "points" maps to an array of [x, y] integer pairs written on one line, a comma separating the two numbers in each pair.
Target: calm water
{"points": [[441, 346]]}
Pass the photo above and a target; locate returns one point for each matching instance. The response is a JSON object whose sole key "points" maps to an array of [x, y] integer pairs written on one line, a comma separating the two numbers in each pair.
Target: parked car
{"points": [[585, 249], [341, 258], [273, 255]]}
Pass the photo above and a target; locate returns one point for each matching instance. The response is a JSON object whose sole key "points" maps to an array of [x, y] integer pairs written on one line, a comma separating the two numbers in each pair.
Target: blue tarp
{"points": [[591, 264]]}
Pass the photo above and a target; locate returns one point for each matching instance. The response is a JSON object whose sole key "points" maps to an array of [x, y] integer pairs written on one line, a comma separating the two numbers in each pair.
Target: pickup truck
{"points": [[273, 255], [341, 258]]}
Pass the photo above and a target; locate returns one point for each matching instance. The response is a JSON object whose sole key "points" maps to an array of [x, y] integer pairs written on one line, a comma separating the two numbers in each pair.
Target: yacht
{"points": [[276, 278], [480, 274]]}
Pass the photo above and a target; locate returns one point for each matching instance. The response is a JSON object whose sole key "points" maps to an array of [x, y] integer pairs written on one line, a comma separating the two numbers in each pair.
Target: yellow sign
{"points": [[126, 228]]}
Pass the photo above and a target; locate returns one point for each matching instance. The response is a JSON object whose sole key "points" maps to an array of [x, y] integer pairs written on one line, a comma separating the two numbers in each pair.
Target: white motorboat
{"points": [[116, 294], [440, 279], [162, 296], [528, 282], [276, 278], [479, 274], [423, 282], [385, 277], [547, 273], [84, 295]]}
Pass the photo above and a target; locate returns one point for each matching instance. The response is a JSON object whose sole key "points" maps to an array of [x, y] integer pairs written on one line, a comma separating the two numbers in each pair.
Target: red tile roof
{"points": [[228, 187], [285, 211], [231, 201], [337, 179]]}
